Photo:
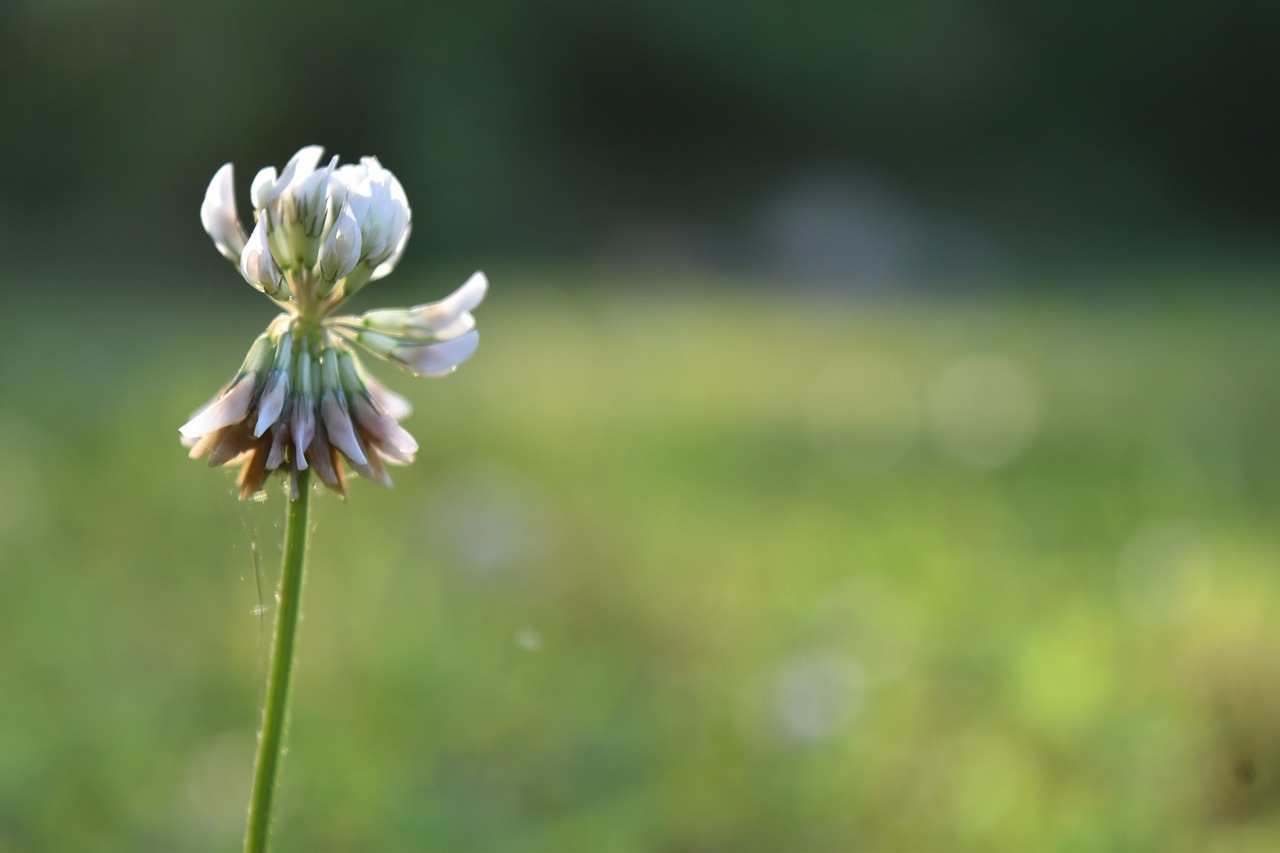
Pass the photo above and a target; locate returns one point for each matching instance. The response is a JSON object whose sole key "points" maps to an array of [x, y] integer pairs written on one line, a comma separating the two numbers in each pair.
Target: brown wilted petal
{"points": [[228, 443], [254, 470]]}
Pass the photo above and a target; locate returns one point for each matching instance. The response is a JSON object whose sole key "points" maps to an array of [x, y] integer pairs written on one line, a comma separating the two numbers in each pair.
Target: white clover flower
{"points": [[302, 398]]}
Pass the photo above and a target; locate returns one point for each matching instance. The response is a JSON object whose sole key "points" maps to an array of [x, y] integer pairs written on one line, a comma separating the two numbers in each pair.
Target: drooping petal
{"points": [[324, 459], [231, 406], [389, 435], [303, 421], [218, 214], [279, 443], [337, 423], [374, 469], [303, 428], [272, 402]]}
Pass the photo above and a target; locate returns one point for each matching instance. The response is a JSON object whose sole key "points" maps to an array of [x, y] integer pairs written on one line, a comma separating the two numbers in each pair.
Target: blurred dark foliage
{"points": [[550, 129]]}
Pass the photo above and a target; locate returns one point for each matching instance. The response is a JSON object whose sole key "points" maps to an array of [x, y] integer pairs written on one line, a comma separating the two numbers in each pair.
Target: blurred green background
{"points": [[873, 443]]}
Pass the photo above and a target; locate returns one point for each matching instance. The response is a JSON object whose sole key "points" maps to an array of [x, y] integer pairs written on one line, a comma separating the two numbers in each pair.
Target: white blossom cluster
{"points": [[302, 399]]}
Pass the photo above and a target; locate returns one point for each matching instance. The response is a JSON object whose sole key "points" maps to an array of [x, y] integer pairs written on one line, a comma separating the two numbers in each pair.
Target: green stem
{"points": [[271, 739]]}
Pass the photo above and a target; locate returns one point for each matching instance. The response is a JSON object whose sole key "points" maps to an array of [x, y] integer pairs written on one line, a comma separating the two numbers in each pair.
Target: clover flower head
{"points": [[302, 399]]}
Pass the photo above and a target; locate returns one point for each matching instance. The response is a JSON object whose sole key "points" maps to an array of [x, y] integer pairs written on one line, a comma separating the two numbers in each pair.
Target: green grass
{"points": [[702, 571]]}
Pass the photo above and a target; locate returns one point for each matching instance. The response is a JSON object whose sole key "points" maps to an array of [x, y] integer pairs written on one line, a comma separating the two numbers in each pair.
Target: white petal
{"points": [[437, 317], [300, 165], [397, 253], [351, 175], [438, 359], [256, 264], [263, 183], [383, 211], [311, 198], [459, 327], [218, 214], [229, 408], [342, 248], [337, 424]]}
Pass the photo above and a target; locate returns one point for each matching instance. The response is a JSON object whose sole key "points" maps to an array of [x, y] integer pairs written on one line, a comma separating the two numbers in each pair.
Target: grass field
{"points": [[687, 571]]}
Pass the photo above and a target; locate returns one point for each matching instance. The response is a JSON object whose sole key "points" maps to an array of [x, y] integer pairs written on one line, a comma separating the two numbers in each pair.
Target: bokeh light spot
{"points": [[983, 411]]}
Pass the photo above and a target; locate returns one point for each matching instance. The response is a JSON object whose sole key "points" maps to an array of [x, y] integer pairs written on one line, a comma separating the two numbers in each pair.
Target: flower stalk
{"points": [[275, 712]]}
